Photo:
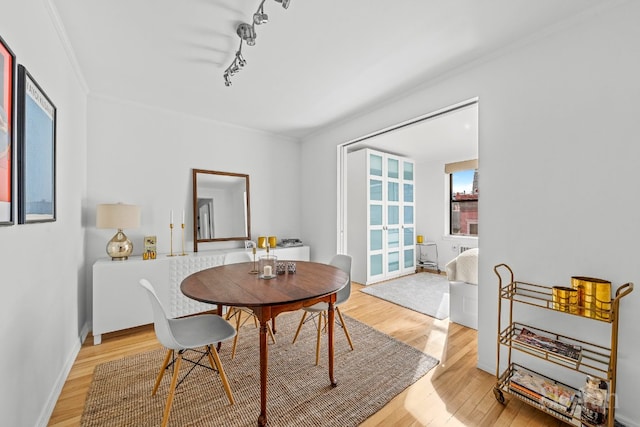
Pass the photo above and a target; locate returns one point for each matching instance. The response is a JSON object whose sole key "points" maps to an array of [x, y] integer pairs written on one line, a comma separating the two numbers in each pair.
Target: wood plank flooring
{"points": [[455, 393]]}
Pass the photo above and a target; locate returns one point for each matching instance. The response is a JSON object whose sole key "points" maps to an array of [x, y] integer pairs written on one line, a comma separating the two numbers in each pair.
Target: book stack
{"points": [[558, 398], [548, 348]]}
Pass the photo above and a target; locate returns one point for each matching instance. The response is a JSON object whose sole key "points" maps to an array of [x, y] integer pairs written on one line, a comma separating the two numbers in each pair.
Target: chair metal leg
{"points": [[318, 340], [344, 327], [223, 376], [304, 315], [161, 373], [235, 339], [172, 389], [273, 338]]}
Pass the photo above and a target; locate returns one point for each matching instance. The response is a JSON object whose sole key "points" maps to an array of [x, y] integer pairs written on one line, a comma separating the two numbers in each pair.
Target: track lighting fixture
{"points": [[247, 34]]}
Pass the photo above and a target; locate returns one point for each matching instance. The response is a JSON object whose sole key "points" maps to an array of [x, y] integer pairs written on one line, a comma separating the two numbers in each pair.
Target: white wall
{"points": [[43, 289], [557, 150], [145, 156]]}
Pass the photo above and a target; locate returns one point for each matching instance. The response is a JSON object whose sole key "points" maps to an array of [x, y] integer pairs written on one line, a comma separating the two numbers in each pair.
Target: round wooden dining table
{"points": [[234, 285]]}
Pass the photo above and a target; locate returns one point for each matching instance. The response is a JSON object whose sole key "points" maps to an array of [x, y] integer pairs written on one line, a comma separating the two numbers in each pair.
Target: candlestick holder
{"points": [[255, 268], [171, 241], [183, 252]]}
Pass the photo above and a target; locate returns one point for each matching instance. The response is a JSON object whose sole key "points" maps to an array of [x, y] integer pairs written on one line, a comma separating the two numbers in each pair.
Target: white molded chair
{"points": [[183, 334], [319, 311], [238, 312]]}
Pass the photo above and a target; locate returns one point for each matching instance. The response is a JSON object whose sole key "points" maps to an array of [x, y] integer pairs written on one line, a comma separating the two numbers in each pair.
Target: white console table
{"points": [[119, 303]]}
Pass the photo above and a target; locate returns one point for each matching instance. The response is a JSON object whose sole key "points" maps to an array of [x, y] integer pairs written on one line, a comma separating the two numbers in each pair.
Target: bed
{"points": [[462, 273]]}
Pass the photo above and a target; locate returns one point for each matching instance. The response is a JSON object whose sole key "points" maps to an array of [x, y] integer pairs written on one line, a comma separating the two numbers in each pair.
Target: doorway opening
{"points": [[432, 140]]}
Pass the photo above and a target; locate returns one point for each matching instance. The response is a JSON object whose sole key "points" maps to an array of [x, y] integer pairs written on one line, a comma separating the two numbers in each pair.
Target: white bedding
{"points": [[464, 267]]}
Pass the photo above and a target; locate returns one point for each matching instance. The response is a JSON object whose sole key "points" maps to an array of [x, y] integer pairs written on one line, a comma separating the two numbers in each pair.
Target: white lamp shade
{"points": [[118, 216]]}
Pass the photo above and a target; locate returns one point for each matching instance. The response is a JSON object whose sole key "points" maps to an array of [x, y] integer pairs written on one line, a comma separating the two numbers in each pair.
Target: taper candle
{"points": [[183, 216], [171, 217]]}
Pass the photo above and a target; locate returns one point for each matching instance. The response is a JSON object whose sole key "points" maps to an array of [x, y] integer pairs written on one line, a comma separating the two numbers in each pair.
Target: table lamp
{"points": [[118, 216]]}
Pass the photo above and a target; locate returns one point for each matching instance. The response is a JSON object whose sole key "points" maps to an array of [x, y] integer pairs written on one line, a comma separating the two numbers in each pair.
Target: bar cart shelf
{"points": [[577, 355]]}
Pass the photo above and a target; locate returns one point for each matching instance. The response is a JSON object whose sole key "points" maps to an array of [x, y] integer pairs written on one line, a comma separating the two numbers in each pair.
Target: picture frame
{"points": [[7, 78], [36, 128]]}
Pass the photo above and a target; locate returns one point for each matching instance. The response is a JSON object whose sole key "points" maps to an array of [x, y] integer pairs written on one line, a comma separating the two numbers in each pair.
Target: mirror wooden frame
{"points": [[204, 172]]}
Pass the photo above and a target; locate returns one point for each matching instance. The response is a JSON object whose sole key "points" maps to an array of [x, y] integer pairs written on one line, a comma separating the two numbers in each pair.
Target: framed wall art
{"points": [[36, 152], [7, 73]]}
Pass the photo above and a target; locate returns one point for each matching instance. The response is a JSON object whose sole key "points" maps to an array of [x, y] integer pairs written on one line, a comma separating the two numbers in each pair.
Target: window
{"points": [[463, 200]]}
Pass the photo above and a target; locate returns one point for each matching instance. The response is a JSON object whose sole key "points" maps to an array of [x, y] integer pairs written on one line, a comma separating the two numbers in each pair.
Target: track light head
{"points": [[285, 3], [240, 59], [260, 18], [247, 33]]}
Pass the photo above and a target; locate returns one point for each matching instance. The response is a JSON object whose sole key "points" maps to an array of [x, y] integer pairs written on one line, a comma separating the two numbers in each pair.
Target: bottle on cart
{"points": [[594, 402]]}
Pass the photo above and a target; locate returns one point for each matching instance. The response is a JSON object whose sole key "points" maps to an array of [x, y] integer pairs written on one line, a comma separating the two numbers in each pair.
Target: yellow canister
{"points": [[262, 242], [594, 296], [273, 241], [565, 299], [420, 238]]}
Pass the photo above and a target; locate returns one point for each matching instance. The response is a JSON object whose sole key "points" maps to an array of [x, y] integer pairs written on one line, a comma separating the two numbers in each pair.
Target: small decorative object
{"points": [[419, 238], [291, 267], [594, 296], [281, 267], [8, 59], [565, 299], [171, 239], [268, 265], [262, 242], [118, 216], [149, 247], [36, 153], [273, 241], [255, 269], [183, 252]]}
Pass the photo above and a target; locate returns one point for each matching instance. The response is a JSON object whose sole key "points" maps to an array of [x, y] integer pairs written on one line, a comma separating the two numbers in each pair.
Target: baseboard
{"points": [[47, 410]]}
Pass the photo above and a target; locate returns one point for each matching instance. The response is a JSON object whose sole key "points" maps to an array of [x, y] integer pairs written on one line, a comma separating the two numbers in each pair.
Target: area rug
{"points": [[425, 293], [299, 393]]}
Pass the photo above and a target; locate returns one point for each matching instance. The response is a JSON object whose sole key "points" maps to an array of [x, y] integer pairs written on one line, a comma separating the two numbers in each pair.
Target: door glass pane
{"points": [[408, 171], [408, 214], [393, 168], [375, 189], [375, 165], [408, 236], [393, 194], [394, 261], [375, 240], [375, 265], [375, 214], [409, 260], [393, 215], [393, 238], [408, 192]]}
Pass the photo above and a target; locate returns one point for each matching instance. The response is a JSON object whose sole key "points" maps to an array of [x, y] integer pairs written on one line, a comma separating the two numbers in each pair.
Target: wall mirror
{"points": [[220, 207]]}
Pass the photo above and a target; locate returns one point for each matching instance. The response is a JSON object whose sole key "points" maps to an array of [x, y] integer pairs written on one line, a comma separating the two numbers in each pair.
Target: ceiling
{"points": [[449, 136], [314, 64]]}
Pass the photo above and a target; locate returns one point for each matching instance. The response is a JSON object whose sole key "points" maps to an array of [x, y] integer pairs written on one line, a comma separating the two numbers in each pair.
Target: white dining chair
{"points": [[187, 333], [318, 312], [238, 312]]}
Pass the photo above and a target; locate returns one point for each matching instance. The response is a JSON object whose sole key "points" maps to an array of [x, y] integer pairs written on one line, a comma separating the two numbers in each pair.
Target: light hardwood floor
{"points": [[455, 393]]}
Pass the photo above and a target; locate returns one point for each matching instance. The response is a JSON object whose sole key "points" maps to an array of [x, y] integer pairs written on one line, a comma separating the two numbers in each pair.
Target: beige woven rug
{"points": [[299, 393]]}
